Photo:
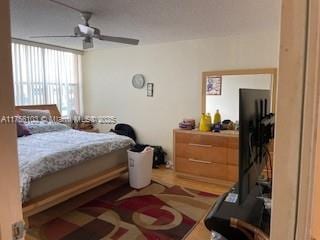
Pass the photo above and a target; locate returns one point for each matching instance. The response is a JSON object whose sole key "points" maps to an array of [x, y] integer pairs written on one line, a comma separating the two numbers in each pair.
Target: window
{"points": [[46, 76]]}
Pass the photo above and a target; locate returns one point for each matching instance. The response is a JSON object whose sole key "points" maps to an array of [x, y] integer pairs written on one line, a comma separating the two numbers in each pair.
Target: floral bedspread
{"points": [[45, 153]]}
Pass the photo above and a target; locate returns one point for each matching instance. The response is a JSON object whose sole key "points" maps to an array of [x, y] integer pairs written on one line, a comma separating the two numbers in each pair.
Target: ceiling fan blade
{"points": [[66, 5], [130, 41], [62, 36]]}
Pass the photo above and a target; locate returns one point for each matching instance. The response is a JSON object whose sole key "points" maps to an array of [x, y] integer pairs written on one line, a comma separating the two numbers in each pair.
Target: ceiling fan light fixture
{"points": [[87, 43]]}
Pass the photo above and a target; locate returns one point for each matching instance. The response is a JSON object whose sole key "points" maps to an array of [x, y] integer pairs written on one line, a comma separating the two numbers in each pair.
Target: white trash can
{"points": [[140, 167]]}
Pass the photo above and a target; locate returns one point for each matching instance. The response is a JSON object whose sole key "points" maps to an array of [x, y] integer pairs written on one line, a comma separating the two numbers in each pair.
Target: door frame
{"points": [[310, 123], [10, 201], [296, 120]]}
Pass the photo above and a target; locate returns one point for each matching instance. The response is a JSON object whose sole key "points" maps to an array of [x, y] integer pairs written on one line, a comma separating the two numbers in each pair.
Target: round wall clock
{"points": [[138, 81]]}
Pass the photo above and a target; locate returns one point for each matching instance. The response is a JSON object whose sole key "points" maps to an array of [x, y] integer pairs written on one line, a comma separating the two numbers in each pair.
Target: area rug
{"points": [[155, 212]]}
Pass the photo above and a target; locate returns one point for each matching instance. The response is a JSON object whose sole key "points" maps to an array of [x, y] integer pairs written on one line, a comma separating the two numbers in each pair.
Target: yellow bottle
{"points": [[202, 126], [209, 122], [217, 117], [203, 123]]}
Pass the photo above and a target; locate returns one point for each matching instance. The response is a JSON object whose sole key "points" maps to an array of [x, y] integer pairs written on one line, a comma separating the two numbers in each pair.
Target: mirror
{"points": [[220, 89]]}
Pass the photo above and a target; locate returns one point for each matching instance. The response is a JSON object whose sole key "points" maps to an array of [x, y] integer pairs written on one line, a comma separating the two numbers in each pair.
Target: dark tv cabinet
{"points": [[251, 211]]}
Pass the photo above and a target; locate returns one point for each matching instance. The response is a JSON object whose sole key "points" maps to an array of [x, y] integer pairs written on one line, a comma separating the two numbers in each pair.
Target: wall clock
{"points": [[138, 81]]}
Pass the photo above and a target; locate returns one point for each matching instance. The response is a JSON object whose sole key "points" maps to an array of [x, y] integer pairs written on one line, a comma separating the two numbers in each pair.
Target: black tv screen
{"points": [[253, 106]]}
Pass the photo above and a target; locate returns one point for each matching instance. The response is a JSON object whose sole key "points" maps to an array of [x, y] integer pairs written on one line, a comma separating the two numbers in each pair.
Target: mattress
{"points": [[45, 153], [84, 170]]}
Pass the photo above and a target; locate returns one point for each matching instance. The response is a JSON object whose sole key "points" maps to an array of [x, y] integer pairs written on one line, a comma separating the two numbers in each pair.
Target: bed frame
{"points": [[60, 195], [54, 111]]}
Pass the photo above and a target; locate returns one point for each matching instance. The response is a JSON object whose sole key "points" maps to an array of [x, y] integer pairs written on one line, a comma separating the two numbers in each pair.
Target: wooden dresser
{"points": [[206, 156]]}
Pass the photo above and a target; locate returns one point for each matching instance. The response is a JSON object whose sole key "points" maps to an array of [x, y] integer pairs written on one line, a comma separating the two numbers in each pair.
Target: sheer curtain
{"points": [[46, 76]]}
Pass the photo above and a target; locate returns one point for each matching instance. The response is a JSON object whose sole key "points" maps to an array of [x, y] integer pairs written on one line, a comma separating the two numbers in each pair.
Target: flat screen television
{"points": [[254, 107], [256, 129]]}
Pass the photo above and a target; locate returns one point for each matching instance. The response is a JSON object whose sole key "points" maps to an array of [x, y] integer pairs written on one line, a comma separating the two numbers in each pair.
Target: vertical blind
{"points": [[46, 76]]}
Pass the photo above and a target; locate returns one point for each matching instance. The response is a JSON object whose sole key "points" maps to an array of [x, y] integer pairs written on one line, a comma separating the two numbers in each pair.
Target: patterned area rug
{"points": [[155, 212]]}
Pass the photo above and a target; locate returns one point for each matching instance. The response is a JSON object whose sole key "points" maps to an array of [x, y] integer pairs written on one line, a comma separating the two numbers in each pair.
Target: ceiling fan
{"points": [[87, 32]]}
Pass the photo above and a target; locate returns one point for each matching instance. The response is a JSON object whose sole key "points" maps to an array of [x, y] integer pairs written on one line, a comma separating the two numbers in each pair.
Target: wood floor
{"points": [[161, 175], [169, 176]]}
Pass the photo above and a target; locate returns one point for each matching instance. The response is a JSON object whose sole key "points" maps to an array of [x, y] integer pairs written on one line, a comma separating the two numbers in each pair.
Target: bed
{"points": [[60, 163]]}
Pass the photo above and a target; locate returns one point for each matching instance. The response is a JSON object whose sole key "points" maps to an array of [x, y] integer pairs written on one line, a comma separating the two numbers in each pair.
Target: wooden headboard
{"points": [[54, 111]]}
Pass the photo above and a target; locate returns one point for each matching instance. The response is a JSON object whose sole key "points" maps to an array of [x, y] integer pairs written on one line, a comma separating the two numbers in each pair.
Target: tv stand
{"points": [[251, 211]]}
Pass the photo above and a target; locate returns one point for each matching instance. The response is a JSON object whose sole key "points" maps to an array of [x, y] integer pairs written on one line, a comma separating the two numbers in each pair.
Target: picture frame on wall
{"points": [[214, 85], [150, 89]]}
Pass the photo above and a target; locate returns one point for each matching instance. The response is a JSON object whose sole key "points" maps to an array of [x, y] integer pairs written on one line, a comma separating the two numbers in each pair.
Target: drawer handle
{"points": [[199, 161], [200, 145]]}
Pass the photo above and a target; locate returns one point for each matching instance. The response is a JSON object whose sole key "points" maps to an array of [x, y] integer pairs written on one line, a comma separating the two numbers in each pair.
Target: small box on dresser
{"points": [[206, 156]]}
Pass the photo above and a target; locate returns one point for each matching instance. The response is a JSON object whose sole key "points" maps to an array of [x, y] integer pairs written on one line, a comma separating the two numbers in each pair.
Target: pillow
{"points": [[22, 129], [43, 127], [35, 114]]}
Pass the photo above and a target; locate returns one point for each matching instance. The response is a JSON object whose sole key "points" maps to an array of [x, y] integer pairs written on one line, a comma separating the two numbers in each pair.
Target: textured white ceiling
{"points": [[151, 21]]}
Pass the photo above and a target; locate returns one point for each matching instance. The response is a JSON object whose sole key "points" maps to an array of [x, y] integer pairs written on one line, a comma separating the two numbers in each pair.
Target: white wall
{"points": [[228, 101], [175, 69]]}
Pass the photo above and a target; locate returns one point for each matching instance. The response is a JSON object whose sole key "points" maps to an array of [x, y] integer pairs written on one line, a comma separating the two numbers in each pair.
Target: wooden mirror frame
{"points": [[271, 71]]}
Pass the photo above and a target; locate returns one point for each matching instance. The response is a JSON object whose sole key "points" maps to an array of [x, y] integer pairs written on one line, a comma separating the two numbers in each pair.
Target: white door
{"points": [[10, 204]]}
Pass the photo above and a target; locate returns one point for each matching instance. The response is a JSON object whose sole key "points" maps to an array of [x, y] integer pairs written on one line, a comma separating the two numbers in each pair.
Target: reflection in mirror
{"points": [[228, 101], [221, 89]]}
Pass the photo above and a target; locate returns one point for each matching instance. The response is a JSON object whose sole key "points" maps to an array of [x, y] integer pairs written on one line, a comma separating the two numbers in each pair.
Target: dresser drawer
{"points": [[206, 156], [201, 139], [233, 142], [201, 152], [233, 172], [201, 168], [233, 157]]}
